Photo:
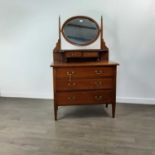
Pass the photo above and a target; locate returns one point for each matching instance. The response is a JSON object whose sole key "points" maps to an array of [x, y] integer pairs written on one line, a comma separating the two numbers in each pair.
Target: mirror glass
{"points": [[80, 30]]}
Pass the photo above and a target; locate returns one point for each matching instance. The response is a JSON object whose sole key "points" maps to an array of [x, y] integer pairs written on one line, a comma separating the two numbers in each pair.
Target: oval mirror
{"points": [[80, 30]]}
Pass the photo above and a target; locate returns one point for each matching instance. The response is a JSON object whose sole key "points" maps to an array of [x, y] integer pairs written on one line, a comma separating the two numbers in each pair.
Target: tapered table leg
{"points": [[113, 109], [55, 112]]}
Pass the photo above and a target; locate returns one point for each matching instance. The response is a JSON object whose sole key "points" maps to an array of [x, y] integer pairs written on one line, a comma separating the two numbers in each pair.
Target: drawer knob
{"points": [[73, 83], [98, 97], [71, 97], [99, 71]]}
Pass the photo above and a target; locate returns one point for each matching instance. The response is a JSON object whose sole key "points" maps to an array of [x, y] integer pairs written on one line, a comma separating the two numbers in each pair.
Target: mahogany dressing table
{"points": [[83, 76]]}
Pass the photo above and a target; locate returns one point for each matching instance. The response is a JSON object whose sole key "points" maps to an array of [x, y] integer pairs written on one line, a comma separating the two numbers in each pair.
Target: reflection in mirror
{"points": [[80, 30]]}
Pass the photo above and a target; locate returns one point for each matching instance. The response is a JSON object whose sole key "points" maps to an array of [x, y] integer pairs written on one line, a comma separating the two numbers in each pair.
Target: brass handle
{"points": [[99, 71], [70, 73], [98, 97], [98, 83], [71, 98], [71, 84]]}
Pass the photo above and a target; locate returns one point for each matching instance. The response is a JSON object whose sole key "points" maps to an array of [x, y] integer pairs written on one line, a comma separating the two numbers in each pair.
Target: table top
{"points": [[84, 64]]}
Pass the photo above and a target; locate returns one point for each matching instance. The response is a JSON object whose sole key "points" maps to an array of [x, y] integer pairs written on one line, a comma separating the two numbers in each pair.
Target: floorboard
{"points": [[27, 127]]}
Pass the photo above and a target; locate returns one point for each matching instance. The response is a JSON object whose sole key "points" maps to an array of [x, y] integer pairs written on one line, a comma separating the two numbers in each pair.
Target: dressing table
{"points": [[83, 76]]}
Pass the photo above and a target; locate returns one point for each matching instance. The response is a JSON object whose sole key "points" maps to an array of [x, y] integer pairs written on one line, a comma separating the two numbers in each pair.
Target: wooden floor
{"points": [[27, 127]]}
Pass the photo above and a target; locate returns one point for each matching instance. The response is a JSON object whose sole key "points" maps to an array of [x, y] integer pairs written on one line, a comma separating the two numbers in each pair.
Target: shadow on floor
{"points": [[84, 111]]}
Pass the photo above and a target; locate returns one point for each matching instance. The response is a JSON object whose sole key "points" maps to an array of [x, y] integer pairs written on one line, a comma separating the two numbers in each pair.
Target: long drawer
{"points": [[79, 54], [84, 72], [84, 84], [84, 97]]}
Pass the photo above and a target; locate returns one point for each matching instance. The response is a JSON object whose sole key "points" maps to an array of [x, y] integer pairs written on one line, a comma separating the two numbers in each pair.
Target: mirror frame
{"points": [[84, 17]]}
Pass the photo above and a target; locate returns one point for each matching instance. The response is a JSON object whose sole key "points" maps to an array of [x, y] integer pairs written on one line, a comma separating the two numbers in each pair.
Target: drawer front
{"points": [[84, 97], [73, 54], [84, 84], [84, 72], [90, 54]]}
